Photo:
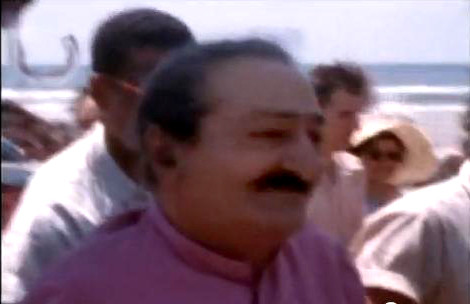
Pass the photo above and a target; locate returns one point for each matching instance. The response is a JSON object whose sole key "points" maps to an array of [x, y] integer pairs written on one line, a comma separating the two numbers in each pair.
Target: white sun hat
{"points": [[420, 161]]}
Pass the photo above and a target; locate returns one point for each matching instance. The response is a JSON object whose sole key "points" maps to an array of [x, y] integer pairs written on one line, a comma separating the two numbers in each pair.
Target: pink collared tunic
{"points": [[140, 258]]}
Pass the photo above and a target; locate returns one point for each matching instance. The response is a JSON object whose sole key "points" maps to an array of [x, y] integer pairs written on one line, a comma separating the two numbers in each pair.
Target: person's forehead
{"points": [[264, 86], [342, 99], [142, 61]]}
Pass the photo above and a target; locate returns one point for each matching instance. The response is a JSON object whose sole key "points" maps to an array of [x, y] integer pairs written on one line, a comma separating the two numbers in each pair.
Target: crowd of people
{"points": [[208, 172]]}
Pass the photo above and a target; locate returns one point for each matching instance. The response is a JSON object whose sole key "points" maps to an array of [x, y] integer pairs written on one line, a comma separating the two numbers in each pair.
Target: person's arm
{"points": [[398, 253], [38, 235]]}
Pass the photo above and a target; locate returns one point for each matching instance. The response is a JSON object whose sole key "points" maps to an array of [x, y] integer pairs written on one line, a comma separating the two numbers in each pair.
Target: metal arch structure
{"points": [[11, 15]]}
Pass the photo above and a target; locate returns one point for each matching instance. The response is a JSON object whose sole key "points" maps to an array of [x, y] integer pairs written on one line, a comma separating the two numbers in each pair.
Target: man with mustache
{"points": [[97, 177], [230, 134]]}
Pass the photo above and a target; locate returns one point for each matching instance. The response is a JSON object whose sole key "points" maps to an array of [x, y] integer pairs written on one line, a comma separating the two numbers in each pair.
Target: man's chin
{"points": [[288, 224], [287, 198], [288, 210]]}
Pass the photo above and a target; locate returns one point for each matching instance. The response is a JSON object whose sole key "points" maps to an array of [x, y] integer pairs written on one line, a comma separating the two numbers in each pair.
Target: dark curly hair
{"points": [[326, 79]]}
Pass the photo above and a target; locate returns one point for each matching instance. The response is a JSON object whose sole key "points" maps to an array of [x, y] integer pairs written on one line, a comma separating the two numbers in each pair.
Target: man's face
{"points": [[341, 118], [255, 162], [120, 101]]}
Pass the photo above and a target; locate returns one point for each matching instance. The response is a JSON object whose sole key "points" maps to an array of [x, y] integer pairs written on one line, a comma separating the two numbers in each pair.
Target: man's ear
{"points": [[99, 91], [159, 149]]}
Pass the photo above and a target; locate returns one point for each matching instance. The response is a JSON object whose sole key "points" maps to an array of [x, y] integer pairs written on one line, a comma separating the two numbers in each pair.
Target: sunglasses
{"points": [[122, 83], [377, 155]]}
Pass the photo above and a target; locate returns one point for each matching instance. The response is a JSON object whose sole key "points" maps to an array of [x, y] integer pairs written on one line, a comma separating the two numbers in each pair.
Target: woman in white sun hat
{"points": [[395, 153]]}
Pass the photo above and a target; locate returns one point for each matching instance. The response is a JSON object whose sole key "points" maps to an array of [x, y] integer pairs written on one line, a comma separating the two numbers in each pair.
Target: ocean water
{"points": [[382, 75], [434, 96]]}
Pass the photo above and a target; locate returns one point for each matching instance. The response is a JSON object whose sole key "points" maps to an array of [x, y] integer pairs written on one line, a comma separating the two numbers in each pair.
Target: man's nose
{"points": [[303, 156]]}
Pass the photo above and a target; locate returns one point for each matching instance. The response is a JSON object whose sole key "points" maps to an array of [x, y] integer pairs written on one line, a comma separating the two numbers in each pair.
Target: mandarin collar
{"points": [[196, 255]]}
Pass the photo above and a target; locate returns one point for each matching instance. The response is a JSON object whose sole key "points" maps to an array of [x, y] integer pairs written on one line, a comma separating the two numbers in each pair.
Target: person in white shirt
{"points": [[417, 249], [96, 177], [337, 206]]}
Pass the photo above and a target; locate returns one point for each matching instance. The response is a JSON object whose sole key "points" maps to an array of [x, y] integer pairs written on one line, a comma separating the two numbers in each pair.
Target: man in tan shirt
{"points": [[417, 249]]}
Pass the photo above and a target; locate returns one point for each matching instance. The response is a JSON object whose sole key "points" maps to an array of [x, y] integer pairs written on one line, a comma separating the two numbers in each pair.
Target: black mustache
{"points": [[282, 181]]}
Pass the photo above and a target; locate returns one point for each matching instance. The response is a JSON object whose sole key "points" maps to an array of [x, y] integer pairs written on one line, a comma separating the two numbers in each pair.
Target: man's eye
{"points": [[270, 134]]}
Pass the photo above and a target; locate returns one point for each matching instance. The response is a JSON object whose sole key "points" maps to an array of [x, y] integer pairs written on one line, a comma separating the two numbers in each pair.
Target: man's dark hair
{"points": [[126, 31], [326, 79], [173, 98]]}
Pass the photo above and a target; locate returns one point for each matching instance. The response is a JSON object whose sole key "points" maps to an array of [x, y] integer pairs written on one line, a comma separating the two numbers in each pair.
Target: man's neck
{"points": [[127, 160], [225, 241], [328, 149]]}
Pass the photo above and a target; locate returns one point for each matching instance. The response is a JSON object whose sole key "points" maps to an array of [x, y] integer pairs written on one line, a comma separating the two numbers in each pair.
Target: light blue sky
{"points": [[377, 31]]}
